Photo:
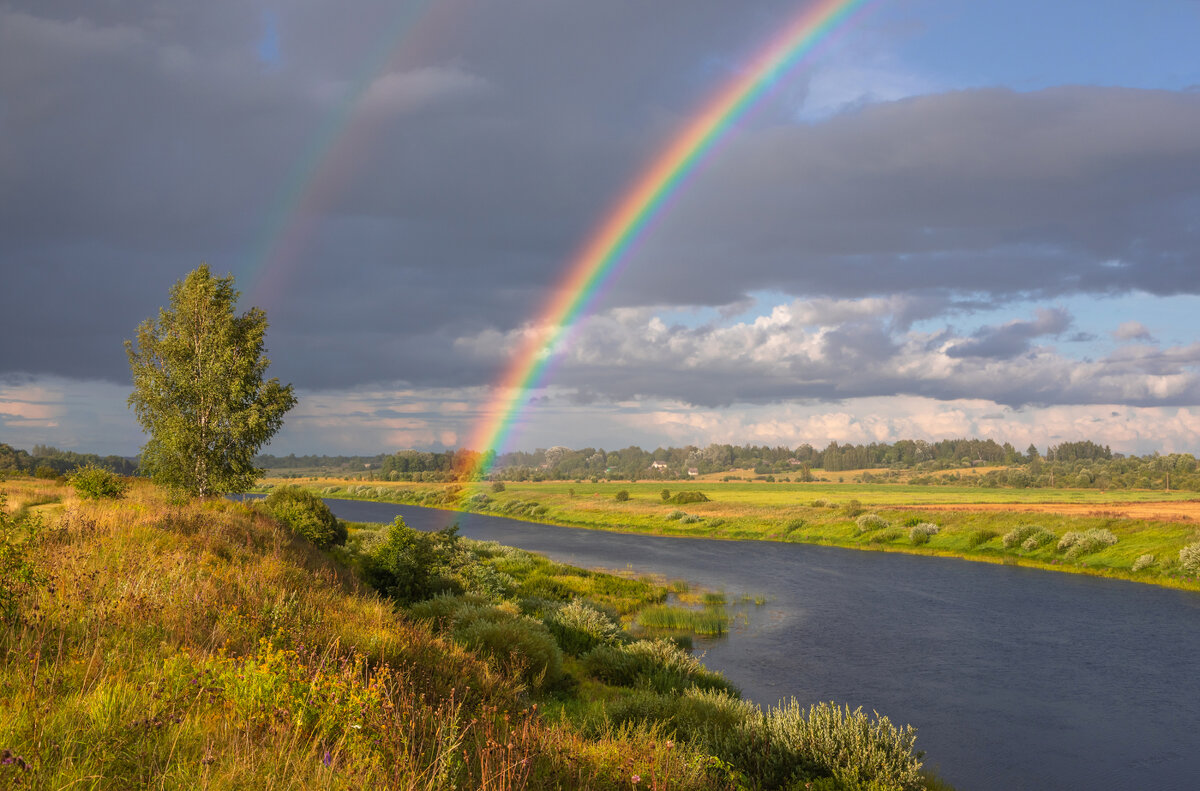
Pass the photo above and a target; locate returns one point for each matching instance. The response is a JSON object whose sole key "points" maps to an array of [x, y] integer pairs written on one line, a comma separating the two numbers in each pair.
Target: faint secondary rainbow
{"points": [[597, 261], [331, 157]]}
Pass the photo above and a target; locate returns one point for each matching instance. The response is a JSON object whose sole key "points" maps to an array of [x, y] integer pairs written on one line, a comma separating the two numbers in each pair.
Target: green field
{"points": [[826, 513]]}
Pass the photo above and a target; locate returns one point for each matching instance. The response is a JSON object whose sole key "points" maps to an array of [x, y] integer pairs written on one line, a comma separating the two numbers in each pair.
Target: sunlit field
{"points": [[1150, 528]]}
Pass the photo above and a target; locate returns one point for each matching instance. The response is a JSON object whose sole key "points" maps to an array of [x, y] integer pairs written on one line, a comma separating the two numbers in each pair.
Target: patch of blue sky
{"points": [[1169, 321], [1032, 44], [755, 305], [922, 47], [268, 43]]}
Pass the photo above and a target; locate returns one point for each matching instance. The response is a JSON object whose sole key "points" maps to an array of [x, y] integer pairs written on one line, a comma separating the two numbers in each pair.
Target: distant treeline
{"points": [[799, 463], [48, 462], [1083, 464]]}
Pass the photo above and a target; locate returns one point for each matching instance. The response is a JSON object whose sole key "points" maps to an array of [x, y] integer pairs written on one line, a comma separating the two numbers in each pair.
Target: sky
{"points": [[950, 219]]}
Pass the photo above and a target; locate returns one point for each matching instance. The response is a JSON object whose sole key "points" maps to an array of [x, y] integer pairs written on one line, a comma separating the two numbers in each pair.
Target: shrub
{"points": [[1143, 562], [676, 514], [980, 537], [1076, 543], [96, 483], [793, 524], [857, 750], [410, 565], [1037, 540], [660, 665], [621, 496], [478, 500], [579, 628], [665, 494], [869, 522], [683, 498], [498, 486], [912, 521], [690, 519], [818, 503], [884, 536], [519, 644], [305, 515], [1189, 558], [921, 533], [1016, 536], [854, 508]]}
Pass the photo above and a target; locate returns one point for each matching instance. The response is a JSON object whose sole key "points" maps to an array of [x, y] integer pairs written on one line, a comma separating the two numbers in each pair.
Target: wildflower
{"points": [[636, 779], [327, 758]]}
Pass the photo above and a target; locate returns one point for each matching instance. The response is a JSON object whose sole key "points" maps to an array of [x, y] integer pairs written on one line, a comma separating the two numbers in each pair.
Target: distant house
{"points": [[658, 465], [795, 462], [692, 471]]}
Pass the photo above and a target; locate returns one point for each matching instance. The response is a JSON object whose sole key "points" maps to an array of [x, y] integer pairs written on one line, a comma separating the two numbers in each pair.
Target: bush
{"points": [[1143, 562], [869, 522], [884, 536], [980, 537], [305, 515], [96, 483], [921, 533], [676, 514], [1037, 540], [857, 750], [659, 665], [1189, 558], [519, 644], [665, 494], [579, 628], [410, 565], [854, 508], [690, 519], [1017, 536], [498, 486], [683, 498], [1077, 544], [621, 496]]}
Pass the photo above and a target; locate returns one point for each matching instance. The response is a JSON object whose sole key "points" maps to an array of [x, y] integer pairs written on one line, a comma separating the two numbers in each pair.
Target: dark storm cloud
{"points": [[139, 139], [1011, 339]]}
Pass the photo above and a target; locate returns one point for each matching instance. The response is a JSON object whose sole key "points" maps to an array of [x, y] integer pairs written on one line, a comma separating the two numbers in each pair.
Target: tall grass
{"points": [[202, 645]]}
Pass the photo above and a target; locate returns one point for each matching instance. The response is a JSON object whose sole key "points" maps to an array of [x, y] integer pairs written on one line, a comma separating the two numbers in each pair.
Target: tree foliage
{"points": [[199, 391]]}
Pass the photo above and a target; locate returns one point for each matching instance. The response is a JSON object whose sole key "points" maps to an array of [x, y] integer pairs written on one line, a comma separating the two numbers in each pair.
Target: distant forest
{"points": [[46, 462], [1083, 464]]}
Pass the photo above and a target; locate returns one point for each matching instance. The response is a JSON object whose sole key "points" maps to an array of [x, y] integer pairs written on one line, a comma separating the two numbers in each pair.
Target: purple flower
{"points": [[327, 758]]}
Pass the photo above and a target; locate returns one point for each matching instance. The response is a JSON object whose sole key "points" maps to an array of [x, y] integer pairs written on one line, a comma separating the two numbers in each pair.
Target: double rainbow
{"points": [[597, 261]]}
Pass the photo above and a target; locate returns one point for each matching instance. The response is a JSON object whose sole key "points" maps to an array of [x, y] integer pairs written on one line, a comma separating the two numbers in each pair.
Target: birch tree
{"points": [[198, 388]]}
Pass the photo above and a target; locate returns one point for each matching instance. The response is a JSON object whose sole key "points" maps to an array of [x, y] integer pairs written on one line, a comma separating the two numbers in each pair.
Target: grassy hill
{"points": [[151, 643]]}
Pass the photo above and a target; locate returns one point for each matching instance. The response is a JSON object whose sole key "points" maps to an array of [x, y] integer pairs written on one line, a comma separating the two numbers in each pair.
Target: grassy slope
{"points": [[200, 646], [786, 512]]}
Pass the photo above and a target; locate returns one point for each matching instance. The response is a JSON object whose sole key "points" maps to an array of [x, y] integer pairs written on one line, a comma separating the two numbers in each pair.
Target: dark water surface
{"points": [[1016, 679]]}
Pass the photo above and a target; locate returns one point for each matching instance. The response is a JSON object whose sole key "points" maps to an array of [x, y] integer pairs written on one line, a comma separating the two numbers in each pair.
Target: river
{"points": [[1016, 679]]}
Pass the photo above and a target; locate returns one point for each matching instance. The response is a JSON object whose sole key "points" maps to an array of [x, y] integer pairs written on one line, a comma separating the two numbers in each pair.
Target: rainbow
{"points": [[597, 260], [329, 159]]}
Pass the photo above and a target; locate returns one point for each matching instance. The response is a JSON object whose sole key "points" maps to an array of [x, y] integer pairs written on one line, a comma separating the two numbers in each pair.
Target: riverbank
{"points": [[1014, 527], [153, 642]]}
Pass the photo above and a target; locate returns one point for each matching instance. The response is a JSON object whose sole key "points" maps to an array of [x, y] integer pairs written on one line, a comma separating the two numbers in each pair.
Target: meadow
{"points": [[150, 641], [1150, 528]]}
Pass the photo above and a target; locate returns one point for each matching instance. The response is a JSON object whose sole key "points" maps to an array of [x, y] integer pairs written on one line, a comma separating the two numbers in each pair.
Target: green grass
{"points": [[202, 644], [786, 512]]}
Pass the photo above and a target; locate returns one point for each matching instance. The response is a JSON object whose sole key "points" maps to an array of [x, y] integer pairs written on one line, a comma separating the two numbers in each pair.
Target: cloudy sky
{"points": [[954, 218]]}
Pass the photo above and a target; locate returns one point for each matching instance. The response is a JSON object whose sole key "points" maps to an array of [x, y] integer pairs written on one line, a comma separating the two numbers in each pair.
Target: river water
{"points": [[1016, 679]]}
